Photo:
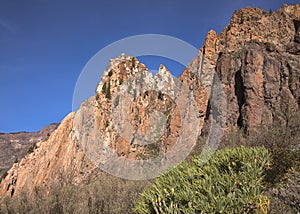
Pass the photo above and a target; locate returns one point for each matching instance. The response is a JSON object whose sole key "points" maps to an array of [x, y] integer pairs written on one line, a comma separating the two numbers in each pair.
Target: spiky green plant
{"points": [[230, 182]]}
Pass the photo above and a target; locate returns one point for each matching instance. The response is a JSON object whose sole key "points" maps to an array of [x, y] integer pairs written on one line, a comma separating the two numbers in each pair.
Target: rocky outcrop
{"points": [[258, 64], [140, 108], [261, 86], [138, 116], [256, 58], [150, 112]]}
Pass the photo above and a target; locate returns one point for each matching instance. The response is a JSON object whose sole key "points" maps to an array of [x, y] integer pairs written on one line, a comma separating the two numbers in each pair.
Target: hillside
{"points": [[14, 146]]}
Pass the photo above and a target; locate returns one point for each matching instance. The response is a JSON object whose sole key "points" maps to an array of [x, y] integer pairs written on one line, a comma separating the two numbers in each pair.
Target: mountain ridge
{"points": [[14, 145]]}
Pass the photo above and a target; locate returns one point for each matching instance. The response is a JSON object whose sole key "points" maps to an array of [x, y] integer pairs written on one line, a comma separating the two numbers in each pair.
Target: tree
{"points": [[133, 62], [242, 19], [110, 73], [108, 95], [104, 88], [270, 11]]}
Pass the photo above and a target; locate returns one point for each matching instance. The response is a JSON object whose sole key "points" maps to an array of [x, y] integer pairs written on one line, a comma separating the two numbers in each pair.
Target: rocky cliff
{"points": [[256, 58]]}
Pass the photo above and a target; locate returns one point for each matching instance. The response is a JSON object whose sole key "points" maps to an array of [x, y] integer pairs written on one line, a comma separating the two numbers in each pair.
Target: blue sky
{"points": [[45, 44]]}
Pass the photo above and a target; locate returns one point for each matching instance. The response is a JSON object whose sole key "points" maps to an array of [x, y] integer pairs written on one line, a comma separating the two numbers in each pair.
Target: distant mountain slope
{"points": [[14, 146]]}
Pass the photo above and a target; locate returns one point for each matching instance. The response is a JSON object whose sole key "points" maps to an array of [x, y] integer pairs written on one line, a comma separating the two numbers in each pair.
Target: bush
{"points": [[282, 162], [108, 95], [3, 174], [110, 73], [31, 148], [270, 11], [104, 88], [242, 19], [121, 81], [133, 62], [230, 182], [107, 194], [228, 27], [282, 142]]}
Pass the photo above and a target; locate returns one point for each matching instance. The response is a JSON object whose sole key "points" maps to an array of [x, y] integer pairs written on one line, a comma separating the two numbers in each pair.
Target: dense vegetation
{"points": [[231, 182], [107, 194]]}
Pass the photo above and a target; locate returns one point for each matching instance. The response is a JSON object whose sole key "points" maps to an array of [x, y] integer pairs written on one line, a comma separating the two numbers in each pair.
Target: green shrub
{"points": [[121, 81], [230, 182], [106, 123], [31, 148], [110, 73], [282, 162], [104, 88], [242, 19], [3, 174], [270, 11], [228, 27], [108, 95]]}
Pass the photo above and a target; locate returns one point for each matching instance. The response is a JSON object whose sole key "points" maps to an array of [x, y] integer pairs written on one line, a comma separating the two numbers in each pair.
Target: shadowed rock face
{"points": [[257, 59], [260, 85]]}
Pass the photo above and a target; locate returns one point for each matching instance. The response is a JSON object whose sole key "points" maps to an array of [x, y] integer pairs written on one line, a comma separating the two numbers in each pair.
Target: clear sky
{"points": [[44, 45]]}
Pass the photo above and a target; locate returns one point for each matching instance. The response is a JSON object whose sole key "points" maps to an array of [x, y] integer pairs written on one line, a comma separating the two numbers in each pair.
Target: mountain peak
{"points": [[122, 58], [119, 70], [163, 70]]}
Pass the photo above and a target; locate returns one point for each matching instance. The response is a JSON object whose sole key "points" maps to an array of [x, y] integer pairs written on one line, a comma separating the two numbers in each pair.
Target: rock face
{"points": [[260, 84], [13, 146], [56, 159], [140, 108], [138, 116], [256, 58]]}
